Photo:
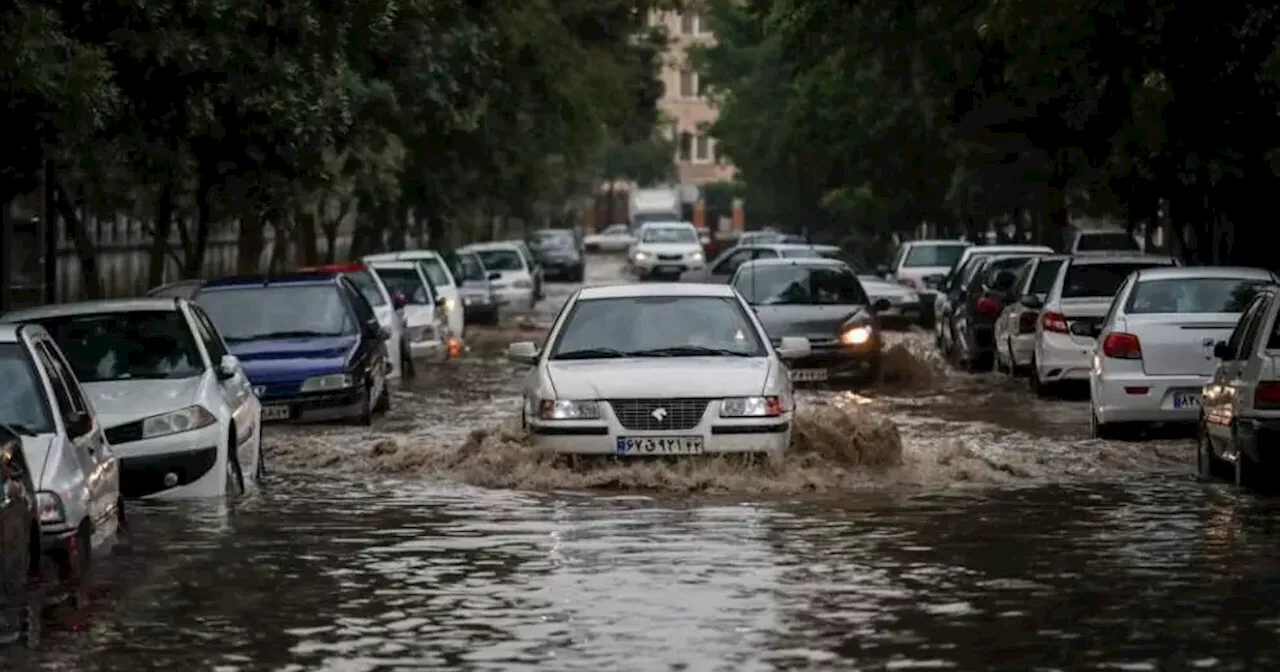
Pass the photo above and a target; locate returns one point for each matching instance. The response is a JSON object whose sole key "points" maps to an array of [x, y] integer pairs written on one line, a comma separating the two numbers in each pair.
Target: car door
{"points": [[1220, 402], [455, 310], [371, 355], [236, 391]]}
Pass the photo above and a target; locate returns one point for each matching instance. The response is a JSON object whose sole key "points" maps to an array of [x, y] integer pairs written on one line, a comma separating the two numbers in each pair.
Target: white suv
{"points": [[665, 250]]}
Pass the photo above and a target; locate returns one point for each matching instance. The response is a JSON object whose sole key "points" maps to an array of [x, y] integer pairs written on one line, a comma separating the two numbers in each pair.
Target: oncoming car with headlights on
{"points": [[656, 370], [822, 301], [174, 404], [665, 250]]}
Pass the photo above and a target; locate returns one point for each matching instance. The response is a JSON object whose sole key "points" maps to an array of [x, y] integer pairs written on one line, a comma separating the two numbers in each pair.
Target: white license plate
{"points": [[278, 412], [1186, 400], [670, 269], [808, 375], [659, 445]]}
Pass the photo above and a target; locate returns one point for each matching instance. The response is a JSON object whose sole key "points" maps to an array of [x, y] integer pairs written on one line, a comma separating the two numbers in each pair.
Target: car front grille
{"points": [[644, 414], [670, 257]]}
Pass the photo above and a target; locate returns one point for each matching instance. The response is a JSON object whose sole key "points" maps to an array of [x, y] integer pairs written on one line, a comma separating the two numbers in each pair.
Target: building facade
{"points": [[684, 102]]}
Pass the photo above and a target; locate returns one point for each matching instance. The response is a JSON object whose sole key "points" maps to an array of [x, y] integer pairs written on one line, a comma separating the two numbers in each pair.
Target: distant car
{"points": [[535, 267], [174, 404], [1157, 341], [922, 264], [371, 287], [514, 283], [560, 258], [569, 237], [760, 238], [1081, 294], [75, 471], [904, 302], [614, 238], [411, 293], [951, 286], [21, 593], [309, 342], [968, 338], [655, 370], [1015, 330], [665, 251], [822, 301], [442, 278], [475, 285], [1103, 241], [181, 289]]}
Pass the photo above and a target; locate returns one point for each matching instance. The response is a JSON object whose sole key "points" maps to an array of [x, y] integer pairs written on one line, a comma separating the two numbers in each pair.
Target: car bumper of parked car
{"points": [[721, 436], [1059, 357], [480, 311], [1136, 397], [657, 268], [428, 349], [315, 407], [516, 296]]}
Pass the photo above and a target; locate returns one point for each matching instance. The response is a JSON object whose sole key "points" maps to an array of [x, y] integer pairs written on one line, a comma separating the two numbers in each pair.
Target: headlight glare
{"points": [[752, 407], [858, 335], [696, 256], [333, 381], [569, 409], [176, 422]]}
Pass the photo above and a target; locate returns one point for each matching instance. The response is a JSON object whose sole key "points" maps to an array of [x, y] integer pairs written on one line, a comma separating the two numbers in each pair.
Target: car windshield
{"points": [[368, 287], [1193, 295], [434, 267], [23, 405], [1098, 280], [134, 345], [468, 268], [799, 285], [405, 281], [657, 326], [1046, 273], [279, 311], [1109, 241], [670, 234], [944, 256], [501, 260]]}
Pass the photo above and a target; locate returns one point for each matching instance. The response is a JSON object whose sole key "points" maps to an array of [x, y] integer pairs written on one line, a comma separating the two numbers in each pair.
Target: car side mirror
{"points": [[1032, 301], [78, 423], [881, 305], [399, 300], [1222, 351], [793, 347], [495, 275], [228, 366], [523, 352], [1084, 329]]}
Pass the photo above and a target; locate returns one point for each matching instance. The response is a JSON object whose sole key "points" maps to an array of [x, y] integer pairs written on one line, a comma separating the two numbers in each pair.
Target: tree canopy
{"points": [[876, 116]]}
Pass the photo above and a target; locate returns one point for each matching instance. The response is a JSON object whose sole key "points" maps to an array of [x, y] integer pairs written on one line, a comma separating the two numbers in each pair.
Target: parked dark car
{"points": [[560, 257], [21, 557], [970, 328]]}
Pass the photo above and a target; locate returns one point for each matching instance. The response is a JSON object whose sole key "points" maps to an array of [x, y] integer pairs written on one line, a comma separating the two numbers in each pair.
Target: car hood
{"points": [[288, 359], [812, 322], [668, 248], [658, 377], [42, 465], [117, 402], [880, 288]]}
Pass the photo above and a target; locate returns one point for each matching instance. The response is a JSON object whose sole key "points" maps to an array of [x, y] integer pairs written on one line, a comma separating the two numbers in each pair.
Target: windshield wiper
{"points": [[690, 351], [592, 353], [290, 334]]}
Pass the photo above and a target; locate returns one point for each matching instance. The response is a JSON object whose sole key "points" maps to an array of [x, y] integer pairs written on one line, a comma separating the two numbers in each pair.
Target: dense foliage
{"points": [[284, 115], [878, 115]]}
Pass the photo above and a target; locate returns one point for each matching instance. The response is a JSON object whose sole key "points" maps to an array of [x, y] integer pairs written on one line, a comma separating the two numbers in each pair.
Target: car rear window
{"points": [[1193, 295], [1105, 242], [1099, 280], [934, 255], [1046, 273]]}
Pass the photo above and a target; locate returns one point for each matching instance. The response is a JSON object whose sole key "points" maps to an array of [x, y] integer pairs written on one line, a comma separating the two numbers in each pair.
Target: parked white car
{"points": [[1081, 293], [174, 404], [442, 280], [373, 291], [514, 283], [614, 238], [922, 264], [666, 250], [1015, 330], [1156, 344], [73, 468], [658, 369], [423, 312]]}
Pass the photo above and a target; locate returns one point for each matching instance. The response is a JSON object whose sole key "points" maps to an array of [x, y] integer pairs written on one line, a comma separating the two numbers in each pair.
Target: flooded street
{"points": [[950, 521]]}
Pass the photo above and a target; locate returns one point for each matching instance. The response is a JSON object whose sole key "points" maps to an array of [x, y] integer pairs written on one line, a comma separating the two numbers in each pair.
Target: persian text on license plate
{"points": [[278, 412], [808, 375], [659, 445], [1186, 400]]}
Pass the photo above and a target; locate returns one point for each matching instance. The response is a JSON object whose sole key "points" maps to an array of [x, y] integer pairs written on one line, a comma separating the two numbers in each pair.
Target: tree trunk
{"points": [[160, 232], [304, 235], [250, 242], [194, 250], [90, 279]]}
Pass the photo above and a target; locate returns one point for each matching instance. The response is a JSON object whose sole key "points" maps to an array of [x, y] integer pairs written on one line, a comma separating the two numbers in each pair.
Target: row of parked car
{"points": [[1155, 341], [166, 396]]}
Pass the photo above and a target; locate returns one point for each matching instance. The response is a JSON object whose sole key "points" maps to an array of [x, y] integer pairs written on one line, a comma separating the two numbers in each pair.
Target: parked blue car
{"points": [[308, 341]]}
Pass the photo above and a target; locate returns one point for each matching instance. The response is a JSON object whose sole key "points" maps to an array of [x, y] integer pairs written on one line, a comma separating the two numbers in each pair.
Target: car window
{"points": [[801, 285], [1193, 295], [368, 286], [502, 259], [467, 267], [1251, 314], [1249, 341], [130, 345], [58, 378], [277, 311], [669, 234], [1115, 303], [1023, 281], [1014, 264], [1045, 274], [405, 281], [78, 402], [933, 255], [598, 327], [1098, 280], [434, 266], [363, 311], [22, 398], [729, 265], [208, 335]]}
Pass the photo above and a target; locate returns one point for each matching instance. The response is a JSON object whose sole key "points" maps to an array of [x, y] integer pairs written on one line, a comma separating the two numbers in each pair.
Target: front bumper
{"points": [[186, 458], [519, 296], [1137, 397], [664, 268], [428, 349], [561, 271], [719, 436], [316, 406], [1059, 358], [836, 362]]}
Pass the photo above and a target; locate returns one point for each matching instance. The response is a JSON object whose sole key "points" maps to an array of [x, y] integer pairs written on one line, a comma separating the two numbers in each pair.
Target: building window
{"points": [[689, 84], [691, 23], [686, 146], [702, 149]]}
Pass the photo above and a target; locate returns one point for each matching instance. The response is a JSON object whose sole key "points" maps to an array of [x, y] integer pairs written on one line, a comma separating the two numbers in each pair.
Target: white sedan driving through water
{"points": [[658, 369]]}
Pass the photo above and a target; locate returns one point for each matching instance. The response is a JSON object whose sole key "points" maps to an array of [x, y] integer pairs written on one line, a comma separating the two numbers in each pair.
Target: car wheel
{"points": [[1098, 430], [74, 572], [384, 399], [1209, 466], [260, 470], [1012, 368]]}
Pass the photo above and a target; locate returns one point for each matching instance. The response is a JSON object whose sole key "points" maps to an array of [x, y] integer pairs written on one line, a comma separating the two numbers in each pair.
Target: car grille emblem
{"points": [[659, 414], [259, 390]]}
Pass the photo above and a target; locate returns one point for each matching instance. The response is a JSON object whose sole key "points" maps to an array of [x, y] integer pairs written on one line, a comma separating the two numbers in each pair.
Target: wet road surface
{"points": [[991, 534]]}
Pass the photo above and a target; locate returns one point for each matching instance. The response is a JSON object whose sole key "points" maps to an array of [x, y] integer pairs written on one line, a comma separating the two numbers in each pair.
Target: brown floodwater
{"points": [[942, 521]]}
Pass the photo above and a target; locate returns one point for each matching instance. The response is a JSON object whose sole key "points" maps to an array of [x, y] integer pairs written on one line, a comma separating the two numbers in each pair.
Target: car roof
{"points": [[938, 241], [403, 264], [998, 249], [1120, 258], [495, 245], [9, 333], [1193, 272], [640, 289], [92, 308], [793, 261], [260, 280], [402, 255]]}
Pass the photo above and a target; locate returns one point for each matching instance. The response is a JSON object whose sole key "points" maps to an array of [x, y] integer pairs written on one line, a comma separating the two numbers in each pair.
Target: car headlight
{"points": [[568, 409], [333, 381], [51, 509], [176, 422], [856, 335], [695, 256], [751, 407], [640, 256]]}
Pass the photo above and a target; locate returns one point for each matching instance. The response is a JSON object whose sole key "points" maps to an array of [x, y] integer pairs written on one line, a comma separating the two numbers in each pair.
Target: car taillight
{"points": [[1027, 322], [1054, 322], [1118, 345], [1267, 395], [989, 307]]}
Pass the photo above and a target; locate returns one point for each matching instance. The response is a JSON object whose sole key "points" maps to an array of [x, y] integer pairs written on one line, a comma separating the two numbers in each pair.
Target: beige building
{"points": [[684, 104]]}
